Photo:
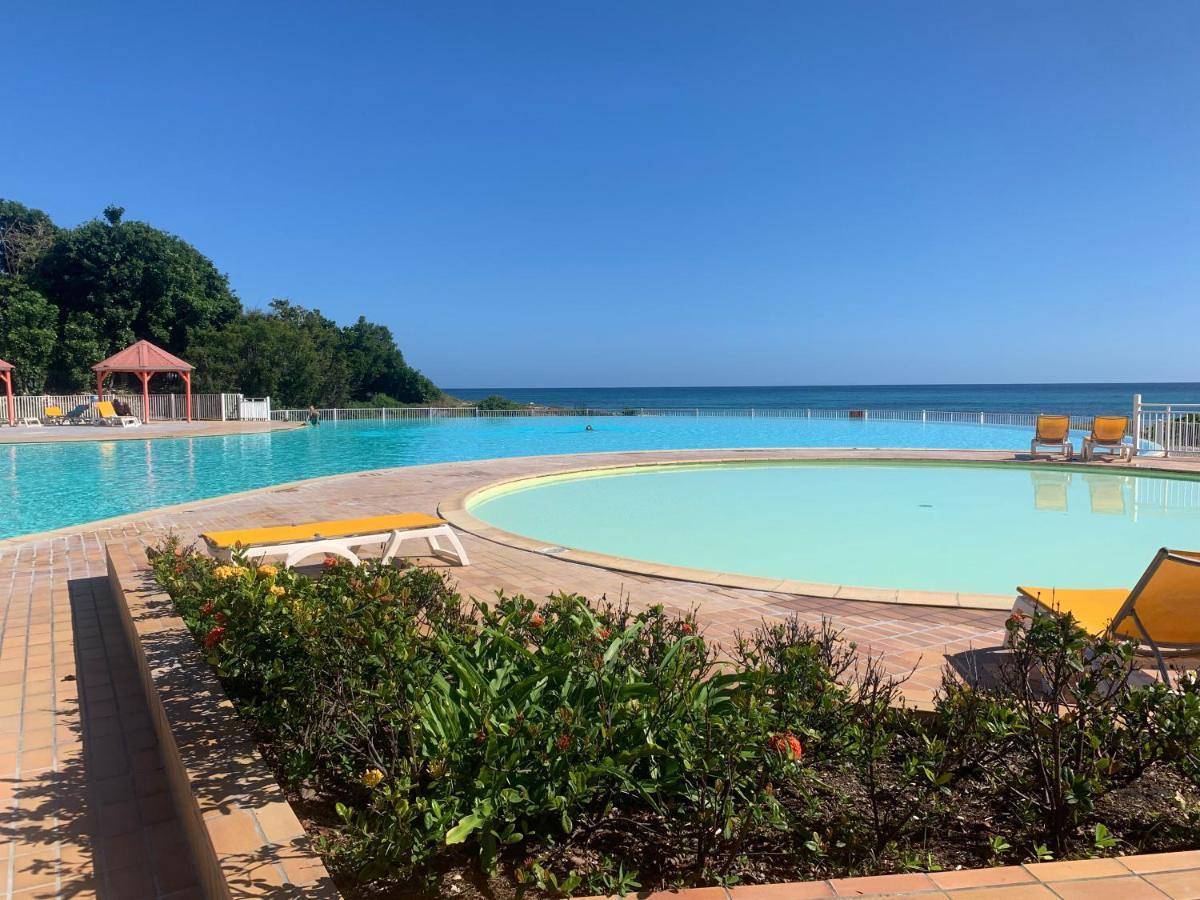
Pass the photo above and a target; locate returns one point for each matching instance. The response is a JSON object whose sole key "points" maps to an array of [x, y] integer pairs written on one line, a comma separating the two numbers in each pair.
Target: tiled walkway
{"points": [[83, 803]]}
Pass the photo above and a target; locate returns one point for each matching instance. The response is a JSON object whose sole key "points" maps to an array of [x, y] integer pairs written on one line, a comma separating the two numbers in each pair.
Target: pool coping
{"points": [[456, 510]]}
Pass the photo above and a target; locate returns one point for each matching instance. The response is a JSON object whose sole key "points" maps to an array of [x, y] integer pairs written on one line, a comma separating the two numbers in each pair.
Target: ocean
{"points": [[1074, 399]]}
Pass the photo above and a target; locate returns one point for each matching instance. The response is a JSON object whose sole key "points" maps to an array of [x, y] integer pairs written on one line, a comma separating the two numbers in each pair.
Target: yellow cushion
{"points": [[1053, 429], [315, 531], [1169, 603], [53, 411], [1109, 429], [1092, 608], [105, 410]]}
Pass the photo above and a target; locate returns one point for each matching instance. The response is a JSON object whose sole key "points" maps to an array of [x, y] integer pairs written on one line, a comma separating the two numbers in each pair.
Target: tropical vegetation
{"points": [[71, 296], [571, 747]]}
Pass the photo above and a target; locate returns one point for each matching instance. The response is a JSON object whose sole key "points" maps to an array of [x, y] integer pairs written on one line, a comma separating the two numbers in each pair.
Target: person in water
{"points": [[314, 417], [589, 428]]}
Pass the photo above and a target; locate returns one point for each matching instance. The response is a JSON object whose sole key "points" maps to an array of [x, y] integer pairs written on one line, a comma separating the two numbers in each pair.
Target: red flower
{"points": [[220, 618], [1015, 620], [207, 608], [214, 637], [330, 562], [537, 621], [687, 628], [786, 744], [564, 741], [604, 633]]}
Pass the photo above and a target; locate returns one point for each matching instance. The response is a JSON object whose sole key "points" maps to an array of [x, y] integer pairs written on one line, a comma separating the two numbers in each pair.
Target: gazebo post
{"points": [[99, 386], [145, 376], [7, 376], [187, 384]]}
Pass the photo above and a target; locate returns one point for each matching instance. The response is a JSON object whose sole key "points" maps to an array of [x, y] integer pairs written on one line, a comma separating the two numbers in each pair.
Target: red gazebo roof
{"points": [[142, 357], [6, 366]]}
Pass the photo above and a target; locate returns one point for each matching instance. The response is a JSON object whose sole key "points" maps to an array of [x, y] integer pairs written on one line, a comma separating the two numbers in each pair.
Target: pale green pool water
{"points": [[963, 527]]}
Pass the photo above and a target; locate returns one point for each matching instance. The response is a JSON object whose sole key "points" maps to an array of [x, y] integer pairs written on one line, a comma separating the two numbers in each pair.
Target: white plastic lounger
{"points": [[30, 421], [108, 415], [339, 538]]}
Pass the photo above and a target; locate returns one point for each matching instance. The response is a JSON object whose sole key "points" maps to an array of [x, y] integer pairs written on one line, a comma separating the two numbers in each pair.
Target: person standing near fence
{"points": [[314, 417]]}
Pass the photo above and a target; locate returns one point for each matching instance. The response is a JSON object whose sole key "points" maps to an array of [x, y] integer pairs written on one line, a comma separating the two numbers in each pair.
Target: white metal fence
{"points": [[162, 406], [426, 413], [1173, 428]]}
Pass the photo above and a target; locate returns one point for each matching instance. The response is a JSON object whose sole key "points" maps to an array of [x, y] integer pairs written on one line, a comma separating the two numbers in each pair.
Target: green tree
{"points": [[376, 366], [25, 235], [130, 281], [28, 323], [288, 353]]}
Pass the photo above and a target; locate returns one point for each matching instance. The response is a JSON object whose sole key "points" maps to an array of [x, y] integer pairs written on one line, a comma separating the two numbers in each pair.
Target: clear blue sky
{"points": [[560, 193]]}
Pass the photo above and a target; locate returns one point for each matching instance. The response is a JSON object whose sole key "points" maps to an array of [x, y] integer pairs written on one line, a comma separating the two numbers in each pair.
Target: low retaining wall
{"points": [[244, 838]]}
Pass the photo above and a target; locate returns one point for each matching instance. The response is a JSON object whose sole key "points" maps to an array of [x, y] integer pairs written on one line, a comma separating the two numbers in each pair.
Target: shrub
{"points": [[585, 746]]}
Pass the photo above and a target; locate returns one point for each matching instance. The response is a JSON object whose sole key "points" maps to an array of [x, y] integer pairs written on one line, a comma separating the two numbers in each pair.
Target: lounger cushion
{"points": [[1092, 608], [315, 531]]}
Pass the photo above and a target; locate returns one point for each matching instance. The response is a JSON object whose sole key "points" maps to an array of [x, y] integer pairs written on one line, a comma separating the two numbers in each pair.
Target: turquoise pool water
{"points": [[963, 528], [44, 486]]}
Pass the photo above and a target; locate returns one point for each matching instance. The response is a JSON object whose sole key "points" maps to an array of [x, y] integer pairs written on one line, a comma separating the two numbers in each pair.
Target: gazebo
{"points": [[145, 360], [6, 370]]}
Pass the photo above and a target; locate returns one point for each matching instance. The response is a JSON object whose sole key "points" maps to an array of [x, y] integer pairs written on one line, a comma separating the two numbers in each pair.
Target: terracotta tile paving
{"points": [[21, 434], [84, 808]]}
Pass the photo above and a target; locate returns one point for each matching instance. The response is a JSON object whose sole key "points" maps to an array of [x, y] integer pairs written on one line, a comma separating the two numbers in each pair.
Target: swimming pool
{"points": [[45, 486], [923, 526]]}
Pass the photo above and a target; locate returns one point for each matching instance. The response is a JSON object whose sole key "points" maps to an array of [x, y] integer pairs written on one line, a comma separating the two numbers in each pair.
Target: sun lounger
{"points": [[52, 416], [1108, 433], [75, 416], [339, 538], [1053, 431], [29, 421], [1161, 613], [109, 416]]}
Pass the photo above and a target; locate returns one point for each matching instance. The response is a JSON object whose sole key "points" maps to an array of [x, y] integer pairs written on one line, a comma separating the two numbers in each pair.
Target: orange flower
{"points": [[786, 744], [537, 621], [214, 637], [687, 628], [604, 633], [564, 741]]}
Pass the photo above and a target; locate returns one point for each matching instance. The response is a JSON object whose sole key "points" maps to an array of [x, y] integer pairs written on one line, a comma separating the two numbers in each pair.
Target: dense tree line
{"points": [[71, 296]]}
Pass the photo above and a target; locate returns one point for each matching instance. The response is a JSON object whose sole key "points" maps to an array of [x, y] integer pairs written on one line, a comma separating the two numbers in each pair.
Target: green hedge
{"points": [[574, 746]]}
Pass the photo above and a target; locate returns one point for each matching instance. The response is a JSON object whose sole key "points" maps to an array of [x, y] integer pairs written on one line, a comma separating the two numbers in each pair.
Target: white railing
{"points": [[429, 413], [1172, 429], [162, 406]]}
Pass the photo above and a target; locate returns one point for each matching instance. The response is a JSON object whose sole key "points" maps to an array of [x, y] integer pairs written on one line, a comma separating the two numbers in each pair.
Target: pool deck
{"points": [[83, 796], [54, 434]]}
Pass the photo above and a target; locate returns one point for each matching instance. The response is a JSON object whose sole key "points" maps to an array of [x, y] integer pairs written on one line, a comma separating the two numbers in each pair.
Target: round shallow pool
{"points": [[946, 527]]}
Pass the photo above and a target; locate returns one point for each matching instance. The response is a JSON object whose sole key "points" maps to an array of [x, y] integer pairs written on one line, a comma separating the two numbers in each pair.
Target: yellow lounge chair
{"points": [[1053, 431], [338, 537], [1108, 433], [53, 415], [109, 416], [1161, 613]]}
